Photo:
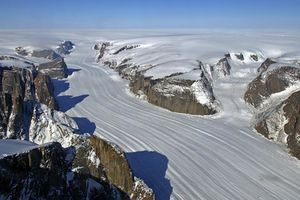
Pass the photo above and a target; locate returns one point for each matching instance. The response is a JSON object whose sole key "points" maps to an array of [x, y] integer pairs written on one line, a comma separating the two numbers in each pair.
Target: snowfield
{"points": [[179, 156]]}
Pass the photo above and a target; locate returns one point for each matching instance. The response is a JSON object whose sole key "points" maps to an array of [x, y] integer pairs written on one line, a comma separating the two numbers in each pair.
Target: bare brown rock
{"points": [[160, 92], [44, 90], [118, 172], [56, 68], [269, 82], [278, 121], [45, 173], [292, 127], [20, 89]]}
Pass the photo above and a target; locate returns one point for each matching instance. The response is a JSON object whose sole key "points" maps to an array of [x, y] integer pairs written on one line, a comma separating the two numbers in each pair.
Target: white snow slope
{"points": [[179, 156]]}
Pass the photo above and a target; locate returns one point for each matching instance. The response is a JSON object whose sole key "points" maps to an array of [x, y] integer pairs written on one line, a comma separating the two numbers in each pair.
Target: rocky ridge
{"points": [[188, 92], [66, 162], [274, 95], [53, 63]]}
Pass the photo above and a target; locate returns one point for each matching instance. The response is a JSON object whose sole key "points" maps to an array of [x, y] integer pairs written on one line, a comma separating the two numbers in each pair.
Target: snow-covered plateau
{"points": [[179, 156]]}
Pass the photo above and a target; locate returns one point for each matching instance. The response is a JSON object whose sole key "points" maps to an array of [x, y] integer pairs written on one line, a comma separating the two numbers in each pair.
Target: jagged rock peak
{"points": [[65, 48]]}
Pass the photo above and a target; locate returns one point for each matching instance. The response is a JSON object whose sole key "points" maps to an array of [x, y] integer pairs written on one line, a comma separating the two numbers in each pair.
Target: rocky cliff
{"points": [[46, 173], [67, 164], [53, 63], [91, 169], [275, 96], [192, 96], [20, 89], [65, 48], [56, 68], [270, 80]]}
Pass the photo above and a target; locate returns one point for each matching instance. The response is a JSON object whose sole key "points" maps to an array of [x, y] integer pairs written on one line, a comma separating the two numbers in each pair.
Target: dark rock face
{"points": [[269, 82], [240, 56], [65, 48], [172, 93], [45, 173], [117, 170], [292, 127], [101, 47], [161, 93], [116, 166], [222, 68], [55, 69], [265, 65], [19, 90], [21, 51], [278, 121], [44, 90], [46, 53], [254, 57], [50, 171], [127, 47], [282, 124]]}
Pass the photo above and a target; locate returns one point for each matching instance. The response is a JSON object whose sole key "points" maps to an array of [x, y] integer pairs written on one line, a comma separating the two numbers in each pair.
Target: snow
{"points": [[93, 158], [200, 93], [277, 98], [10, 147], [48, 125], [14, 63], [198, 157]]}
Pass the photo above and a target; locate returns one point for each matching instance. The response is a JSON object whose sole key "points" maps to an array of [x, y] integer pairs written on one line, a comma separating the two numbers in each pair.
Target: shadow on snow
{"points": [[66, 102], [85, 125], [151, 167], [72, 70]]}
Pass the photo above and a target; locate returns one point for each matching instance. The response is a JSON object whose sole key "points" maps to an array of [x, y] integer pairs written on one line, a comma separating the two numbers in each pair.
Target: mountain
{"points": [[61, 162], [275, 95]]}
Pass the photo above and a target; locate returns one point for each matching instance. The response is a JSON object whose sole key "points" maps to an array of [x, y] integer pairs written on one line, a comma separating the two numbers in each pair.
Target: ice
{"points": [[197, 157], [9, 147]]}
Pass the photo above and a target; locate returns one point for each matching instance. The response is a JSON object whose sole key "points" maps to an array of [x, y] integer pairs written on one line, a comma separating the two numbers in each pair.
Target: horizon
{"points": [[136, 14]]}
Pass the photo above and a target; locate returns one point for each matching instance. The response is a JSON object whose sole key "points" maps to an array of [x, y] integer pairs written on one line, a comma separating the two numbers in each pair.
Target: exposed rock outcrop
{"points": [[67, 165], [170, 92], [65, 48], [275, 95], [44, 90], [20, 90], [118, 171], [56, 68], [127, 47], [282, 123], [101, 47], [270, 81], [46, 53], [176, 95], [222, 68], [46, 172]]}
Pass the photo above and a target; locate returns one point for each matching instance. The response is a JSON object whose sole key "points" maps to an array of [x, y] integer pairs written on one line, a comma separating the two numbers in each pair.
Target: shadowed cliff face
{"points": [[117, 170], [149, 165], [86, 168], [174, 94], [92, 169], [19, 90], [161, 93], [46, 172], [282, 123], [56, 68], [268, 83], [278, 117]]}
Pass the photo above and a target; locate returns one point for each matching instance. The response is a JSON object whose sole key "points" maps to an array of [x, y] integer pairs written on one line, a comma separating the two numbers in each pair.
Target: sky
{"points": [[109, 14]]}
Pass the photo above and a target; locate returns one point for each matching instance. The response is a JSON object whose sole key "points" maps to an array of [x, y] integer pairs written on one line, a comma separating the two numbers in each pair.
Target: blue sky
{"points": [[222, 14]]}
